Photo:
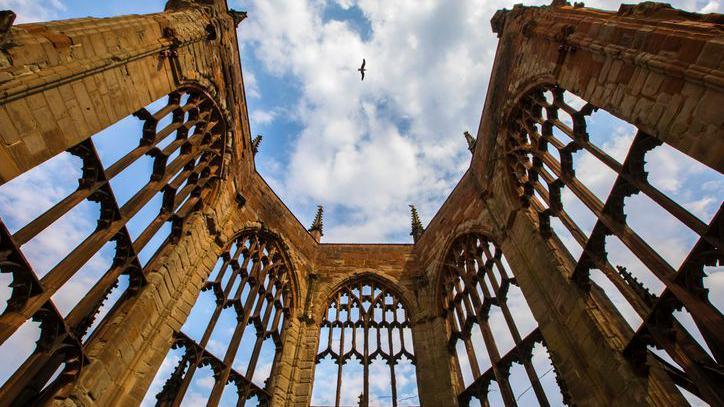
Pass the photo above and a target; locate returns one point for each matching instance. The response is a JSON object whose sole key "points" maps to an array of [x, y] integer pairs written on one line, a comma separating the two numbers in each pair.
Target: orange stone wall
{"points": [[655, 67]]}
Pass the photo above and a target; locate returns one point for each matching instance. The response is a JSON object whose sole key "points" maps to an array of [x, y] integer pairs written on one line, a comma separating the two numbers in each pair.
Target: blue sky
{"points": [[364, 150]]}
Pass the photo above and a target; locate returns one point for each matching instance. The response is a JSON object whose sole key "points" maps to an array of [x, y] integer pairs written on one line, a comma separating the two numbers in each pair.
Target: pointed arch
{"points": [[255, 278], [595, 197], [367, 320], [473, 290], [140, 191]]}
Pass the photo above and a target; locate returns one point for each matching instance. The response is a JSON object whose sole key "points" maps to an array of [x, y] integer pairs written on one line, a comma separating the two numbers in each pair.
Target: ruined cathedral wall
{"points": [[335, 266], [618, 61], [62, 82], [463, 212], [263, 208], [144, 328], [141, 330], [263, 205], [650, 66]]}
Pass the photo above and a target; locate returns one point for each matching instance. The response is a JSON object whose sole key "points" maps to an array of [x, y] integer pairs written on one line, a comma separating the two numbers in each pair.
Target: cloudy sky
{"points": [[364, 150]]}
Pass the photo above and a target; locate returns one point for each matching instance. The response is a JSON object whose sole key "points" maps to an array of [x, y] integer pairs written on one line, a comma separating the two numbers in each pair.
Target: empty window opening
{"points": [[18, 348], [224, 326], [64, 227], [367, 348], [487, 340], [646, 218]]}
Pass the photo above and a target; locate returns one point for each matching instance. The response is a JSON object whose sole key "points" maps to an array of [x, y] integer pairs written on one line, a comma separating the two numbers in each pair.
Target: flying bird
{"points": [[362, 69]]}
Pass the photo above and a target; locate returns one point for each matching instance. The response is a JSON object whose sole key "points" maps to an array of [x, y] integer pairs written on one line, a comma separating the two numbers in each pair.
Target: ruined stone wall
{"points": [[336, 265], [644, 64], [654, 67], [64, 81]]}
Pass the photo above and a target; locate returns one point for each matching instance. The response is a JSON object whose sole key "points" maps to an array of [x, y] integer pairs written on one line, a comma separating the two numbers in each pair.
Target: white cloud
{"points": [[29, 11], [262, 117], [17, 348], [194, 399], [250, 85], [206, 382], [372, 147], [712, 6]]}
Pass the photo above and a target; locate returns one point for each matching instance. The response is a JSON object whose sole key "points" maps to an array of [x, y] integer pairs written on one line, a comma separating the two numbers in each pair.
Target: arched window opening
{"points": [[241, 350], [641, 221], [79, 232], [365, 352], [497, 361]]}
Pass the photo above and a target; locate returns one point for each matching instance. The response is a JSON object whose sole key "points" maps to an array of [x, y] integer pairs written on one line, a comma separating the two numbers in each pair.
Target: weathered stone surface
{"points": [[653, 66]]}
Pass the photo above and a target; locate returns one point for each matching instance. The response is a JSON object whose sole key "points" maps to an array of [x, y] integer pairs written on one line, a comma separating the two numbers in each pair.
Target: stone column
{"points": [[436, 371]]}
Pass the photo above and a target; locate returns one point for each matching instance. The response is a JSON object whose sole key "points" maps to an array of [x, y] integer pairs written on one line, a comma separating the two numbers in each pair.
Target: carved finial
{"points": [[255, 144], [317, 228], [417, 228], [238, 16], [471, 141]]}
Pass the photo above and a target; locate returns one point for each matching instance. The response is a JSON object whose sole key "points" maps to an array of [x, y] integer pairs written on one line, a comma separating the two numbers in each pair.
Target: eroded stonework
{"points": [[655, 67]]}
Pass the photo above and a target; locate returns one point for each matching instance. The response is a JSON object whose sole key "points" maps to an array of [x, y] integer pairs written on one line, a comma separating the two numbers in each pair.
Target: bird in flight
{"points": [[362, 69]]}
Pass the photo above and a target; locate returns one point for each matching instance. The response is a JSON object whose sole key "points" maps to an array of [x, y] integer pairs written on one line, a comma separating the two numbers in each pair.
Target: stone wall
{"points": [[652, 66]]}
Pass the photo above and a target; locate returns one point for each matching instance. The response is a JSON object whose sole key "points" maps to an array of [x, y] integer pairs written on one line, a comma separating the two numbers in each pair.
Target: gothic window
{"points": [[607, 198], [365, 349], [93, 235], [227, 350], [499, 351]]}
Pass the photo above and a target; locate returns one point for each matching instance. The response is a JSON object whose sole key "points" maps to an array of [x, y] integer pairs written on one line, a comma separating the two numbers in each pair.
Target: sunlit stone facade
{"points": [[504, 298]]}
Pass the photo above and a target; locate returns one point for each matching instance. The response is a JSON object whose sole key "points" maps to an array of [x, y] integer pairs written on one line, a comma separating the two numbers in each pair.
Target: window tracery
{"points": [[252, 278], [475, 287], [365, 322], [183, 139], [547, 137]]}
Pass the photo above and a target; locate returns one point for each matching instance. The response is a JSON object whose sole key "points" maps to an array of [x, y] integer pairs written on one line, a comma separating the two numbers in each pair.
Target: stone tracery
{"points": [[60, 83], [544, 127], [186, 155], [474, 279], [365, 320], [253, 278]]}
